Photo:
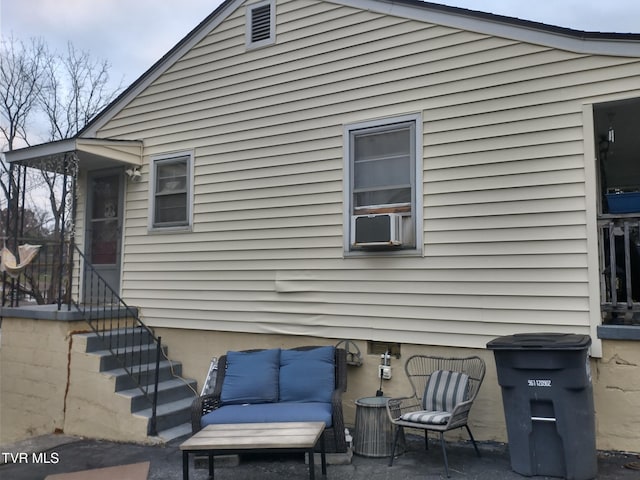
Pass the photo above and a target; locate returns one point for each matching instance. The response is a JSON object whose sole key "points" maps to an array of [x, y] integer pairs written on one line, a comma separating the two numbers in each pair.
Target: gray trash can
{"points": [[548, 403]]}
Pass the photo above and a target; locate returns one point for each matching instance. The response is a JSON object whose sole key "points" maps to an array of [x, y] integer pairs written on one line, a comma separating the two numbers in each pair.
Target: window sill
{"points": [[382, 253], [619, 332], [159, 230]]}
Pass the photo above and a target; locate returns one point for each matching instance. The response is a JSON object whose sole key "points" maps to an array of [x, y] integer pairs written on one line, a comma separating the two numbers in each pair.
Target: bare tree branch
{"points": [[69, 89], [21, 69], [75, 89]]}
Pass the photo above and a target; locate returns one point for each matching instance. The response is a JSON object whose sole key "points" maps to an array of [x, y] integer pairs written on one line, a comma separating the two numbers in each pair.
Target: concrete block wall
{"points": [[615, 376], [34, 359], [195, 349], [616, 391], [93, 409], [49, 384]]}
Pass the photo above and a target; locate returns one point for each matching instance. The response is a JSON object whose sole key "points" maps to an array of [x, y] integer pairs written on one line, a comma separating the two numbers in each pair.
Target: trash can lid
{"points": [[540, 341]]}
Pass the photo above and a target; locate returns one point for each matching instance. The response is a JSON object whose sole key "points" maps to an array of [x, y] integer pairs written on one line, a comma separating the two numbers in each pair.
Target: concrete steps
{"points": [[175, 394]]}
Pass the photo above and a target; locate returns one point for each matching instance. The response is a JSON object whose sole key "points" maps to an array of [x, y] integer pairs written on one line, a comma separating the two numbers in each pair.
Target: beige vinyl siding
{"points": [[505, 222]]}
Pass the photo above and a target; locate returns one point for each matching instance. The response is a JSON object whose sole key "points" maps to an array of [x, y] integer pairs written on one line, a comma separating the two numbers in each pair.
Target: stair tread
{"points": [[167, 408], [178, 431], [136, 348], [120, 331], [144, 367], [162, 386], [175, 394], [128, 336]]}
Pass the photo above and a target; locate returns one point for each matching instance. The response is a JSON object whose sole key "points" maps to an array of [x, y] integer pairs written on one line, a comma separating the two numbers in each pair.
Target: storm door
{"points": [[103, 234]]}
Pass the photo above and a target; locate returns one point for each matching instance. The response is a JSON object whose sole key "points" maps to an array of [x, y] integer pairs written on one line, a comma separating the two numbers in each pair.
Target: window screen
{"points": [[382, 167], [171, 192]]}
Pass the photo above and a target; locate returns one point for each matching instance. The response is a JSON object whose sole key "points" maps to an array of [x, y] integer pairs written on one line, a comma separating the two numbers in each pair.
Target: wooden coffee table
{"points": [[240, 438]]}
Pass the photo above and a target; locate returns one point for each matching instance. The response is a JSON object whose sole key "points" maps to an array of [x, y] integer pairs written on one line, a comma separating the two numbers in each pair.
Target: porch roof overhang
{"points": [[92, 153]]}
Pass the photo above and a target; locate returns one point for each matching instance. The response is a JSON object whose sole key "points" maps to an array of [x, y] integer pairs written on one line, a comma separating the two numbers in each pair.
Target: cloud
{"points": [[133, 34], [130, 34], [590, 15]]}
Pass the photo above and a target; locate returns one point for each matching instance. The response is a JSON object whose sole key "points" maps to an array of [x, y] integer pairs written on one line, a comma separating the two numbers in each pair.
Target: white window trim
{"points": [[272, 25], [347, 200], [152, 193]]}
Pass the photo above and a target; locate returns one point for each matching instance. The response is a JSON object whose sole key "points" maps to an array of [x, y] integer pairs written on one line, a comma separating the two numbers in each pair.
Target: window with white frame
{"points": [[383, 185], [171, 191], [260, 24]]}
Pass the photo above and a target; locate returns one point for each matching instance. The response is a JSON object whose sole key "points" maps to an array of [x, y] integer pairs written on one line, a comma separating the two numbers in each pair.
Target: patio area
{"points": [[75, 454]]}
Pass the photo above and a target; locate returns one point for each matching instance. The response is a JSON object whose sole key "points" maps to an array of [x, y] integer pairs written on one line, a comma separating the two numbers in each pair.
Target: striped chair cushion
{"points": [[444, 390], [425, 416]]}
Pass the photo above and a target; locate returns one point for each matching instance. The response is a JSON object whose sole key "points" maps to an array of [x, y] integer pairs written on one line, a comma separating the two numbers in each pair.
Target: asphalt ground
{"points": [[64, 454]]}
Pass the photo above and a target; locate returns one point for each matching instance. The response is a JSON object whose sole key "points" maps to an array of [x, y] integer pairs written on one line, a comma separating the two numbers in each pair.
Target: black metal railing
{"points": [[128, 339], [45, 280], [619, 242], [49, 280]]}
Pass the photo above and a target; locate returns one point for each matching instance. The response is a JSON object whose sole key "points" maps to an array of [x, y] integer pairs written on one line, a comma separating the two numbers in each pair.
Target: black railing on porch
{"points": [[129, 340], [619, 242], [48, 279], [45, 280]]}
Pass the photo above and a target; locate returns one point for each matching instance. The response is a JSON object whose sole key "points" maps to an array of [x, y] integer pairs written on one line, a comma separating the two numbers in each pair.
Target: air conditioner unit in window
{"points": [[376, 231]]}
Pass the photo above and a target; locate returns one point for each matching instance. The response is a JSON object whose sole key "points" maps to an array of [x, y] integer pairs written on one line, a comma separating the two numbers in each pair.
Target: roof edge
{"points": [[43, 149], [531, 24], [65, 146], [596, 43], [578, 41]]}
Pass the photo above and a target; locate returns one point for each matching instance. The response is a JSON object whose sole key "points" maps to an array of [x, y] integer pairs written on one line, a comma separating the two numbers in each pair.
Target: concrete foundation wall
{"points": [[616, 380], [34, 360], [616, 391], [49, 384], [93, 409]]}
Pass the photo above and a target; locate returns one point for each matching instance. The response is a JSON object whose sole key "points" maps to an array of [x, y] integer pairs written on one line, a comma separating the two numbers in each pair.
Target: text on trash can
{"points": [[539, 383]]}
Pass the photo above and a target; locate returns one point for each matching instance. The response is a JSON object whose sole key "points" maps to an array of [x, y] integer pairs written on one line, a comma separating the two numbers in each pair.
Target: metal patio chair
{"points": [[443, 392]]}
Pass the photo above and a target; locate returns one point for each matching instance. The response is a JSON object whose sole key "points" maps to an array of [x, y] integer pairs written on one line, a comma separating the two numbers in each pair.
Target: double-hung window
{"points": [[383, 185], [171, 192]]}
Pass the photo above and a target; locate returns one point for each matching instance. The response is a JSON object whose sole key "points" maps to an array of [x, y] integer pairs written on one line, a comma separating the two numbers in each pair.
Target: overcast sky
{"points": [[133, 34]]}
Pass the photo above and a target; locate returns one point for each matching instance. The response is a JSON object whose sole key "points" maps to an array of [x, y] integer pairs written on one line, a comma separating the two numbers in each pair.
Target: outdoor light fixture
{"points": [[611, 134], [134, 174]]}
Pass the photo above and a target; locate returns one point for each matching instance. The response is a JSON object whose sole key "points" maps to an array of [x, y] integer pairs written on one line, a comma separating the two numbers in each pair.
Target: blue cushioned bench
{"points": [[303, 384]]}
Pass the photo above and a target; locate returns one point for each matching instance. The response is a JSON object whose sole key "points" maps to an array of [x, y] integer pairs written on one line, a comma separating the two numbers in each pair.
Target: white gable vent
{"points": [[260, 24]]}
